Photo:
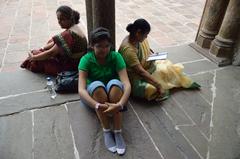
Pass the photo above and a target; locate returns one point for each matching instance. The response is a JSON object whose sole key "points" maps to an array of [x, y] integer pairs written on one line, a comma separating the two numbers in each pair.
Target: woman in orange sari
{"points": [[151, 80], [63, 51]]}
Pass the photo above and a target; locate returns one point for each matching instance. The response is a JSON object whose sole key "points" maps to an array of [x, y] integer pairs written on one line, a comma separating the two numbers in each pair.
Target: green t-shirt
{"points": [[104, 73]]}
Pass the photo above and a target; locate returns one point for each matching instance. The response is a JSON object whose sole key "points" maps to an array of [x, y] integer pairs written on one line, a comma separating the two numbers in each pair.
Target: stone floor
{"points": [[28, 24], [202, 124]]}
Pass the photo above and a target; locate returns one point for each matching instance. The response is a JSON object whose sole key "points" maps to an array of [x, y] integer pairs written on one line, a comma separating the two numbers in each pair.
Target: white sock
{"points": [[120, 144], [109, 140]]}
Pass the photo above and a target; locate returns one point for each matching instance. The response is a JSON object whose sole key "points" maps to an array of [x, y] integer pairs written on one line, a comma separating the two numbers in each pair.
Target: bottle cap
{"points": [[48, 78]]}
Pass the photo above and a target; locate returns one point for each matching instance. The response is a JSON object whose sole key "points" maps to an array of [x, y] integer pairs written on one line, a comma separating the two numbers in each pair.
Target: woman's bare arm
{"points": [[82, 84], [146, 76], [45, 54], [127, 87], [48, 45]]}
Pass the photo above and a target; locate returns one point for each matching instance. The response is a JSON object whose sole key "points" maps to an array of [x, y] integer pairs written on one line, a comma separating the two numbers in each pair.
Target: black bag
{"points": [[67, 82]]}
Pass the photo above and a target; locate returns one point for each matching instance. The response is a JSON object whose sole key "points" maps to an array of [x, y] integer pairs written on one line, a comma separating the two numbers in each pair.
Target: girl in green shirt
{"points": [[105, 87]]}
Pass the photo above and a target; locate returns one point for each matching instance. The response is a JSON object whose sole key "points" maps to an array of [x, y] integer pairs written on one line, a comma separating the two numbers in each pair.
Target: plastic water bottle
{"points": [[50, 87]]}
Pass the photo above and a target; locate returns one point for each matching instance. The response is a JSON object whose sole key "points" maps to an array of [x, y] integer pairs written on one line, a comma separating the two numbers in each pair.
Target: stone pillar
{"points": [[89, 16], [212, 22], [223, 44], [104, 15]]}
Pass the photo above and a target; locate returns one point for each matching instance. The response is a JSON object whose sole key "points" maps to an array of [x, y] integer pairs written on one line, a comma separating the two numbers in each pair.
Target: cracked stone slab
{"points": [[33, 101], [196, 139], [89, 138], [23, 81], [183, 53], [199, 66], [86, 129], [15, 57], [24, 90], [167, 137], [176, 114], [225, 141], [12, 67], [206, 82], [197, 108], [16, 136], [52, 134], [1, 58], [2, 51]]}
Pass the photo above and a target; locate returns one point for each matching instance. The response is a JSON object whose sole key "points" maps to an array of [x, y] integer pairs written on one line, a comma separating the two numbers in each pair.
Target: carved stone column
{"points": [[104, 15], [223, 44], [89, 16], [212, 22]]}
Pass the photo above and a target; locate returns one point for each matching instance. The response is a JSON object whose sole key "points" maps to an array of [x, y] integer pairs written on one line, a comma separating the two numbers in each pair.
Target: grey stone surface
{"points": [[18, 47], [206, 82], [170, 141], [177, 115], [86, 129], [153, 44], [183, 53], [26, 90], [2, 51], [1, 59], [185, 126], [200, 66], [32, 101], [197, 108], [89, 139], [225, 143], [20, 82], [16, 136], [196, 139], [52, 135], [15, 57]]}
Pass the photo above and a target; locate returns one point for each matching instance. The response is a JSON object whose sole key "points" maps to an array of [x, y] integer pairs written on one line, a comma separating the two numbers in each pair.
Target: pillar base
{"points": [[205, 38], [220, 61], [222, 47], [204, 42], [220, 51]]}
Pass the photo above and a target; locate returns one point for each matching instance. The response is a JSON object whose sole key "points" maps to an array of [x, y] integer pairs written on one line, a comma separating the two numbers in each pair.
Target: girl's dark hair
{"points": [[69, 13], [98, 35], [139, 24]]}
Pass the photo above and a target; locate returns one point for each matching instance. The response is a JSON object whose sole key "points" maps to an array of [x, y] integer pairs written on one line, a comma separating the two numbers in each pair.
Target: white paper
{"points": [[158, 56]]}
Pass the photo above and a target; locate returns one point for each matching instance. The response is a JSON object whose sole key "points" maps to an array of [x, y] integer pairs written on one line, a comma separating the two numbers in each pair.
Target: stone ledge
{"points": [[23, 90]]}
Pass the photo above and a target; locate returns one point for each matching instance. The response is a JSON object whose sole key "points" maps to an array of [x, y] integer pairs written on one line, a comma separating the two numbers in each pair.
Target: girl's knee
{"points": [[99, 94], [115, 94]]}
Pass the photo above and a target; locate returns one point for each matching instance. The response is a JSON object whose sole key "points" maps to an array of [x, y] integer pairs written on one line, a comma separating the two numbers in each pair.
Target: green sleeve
{"points": [[120, 64], [84, 63]]}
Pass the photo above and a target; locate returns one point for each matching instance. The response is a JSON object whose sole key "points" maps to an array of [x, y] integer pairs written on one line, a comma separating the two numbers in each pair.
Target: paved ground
{"points": [[28, 24], [190, 125]]}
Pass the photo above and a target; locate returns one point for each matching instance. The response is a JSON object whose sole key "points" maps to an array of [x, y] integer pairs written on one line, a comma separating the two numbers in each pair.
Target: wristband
{"points": [[97, 106]]}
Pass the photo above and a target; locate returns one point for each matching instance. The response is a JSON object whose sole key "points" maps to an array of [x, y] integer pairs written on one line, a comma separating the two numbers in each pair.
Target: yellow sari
{"points": [[169, 75]]}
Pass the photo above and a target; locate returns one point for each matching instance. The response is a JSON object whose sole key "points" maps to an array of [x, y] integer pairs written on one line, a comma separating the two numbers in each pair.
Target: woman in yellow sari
{"points": [[150, 79]]}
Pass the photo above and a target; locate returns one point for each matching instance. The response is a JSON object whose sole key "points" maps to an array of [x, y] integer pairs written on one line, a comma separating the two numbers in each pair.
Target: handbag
{"points": [[67, 82]]}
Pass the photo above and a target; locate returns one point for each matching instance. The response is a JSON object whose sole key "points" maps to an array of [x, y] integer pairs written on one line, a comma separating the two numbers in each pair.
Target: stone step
{"points": [[23, 90]]}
